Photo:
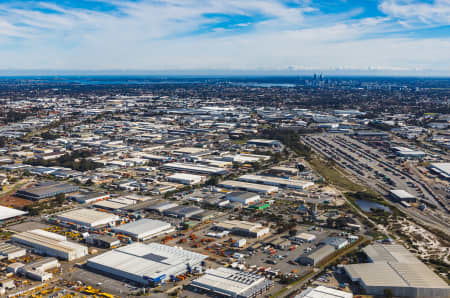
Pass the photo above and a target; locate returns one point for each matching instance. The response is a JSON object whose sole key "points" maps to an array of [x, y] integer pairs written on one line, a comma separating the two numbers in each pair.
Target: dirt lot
{"points": [[11, 201], [26, 226]]}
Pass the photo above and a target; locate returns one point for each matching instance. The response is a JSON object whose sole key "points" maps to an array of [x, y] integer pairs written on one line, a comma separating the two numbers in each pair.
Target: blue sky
{"points": [[302, 35]]}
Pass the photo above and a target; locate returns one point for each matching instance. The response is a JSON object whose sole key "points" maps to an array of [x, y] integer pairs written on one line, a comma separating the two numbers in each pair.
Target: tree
{"points": [[388, 293], [60, 198]]}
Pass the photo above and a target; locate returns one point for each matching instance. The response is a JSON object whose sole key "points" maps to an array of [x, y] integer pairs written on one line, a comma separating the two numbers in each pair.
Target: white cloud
{"points": [[157, 35], [418, 12]]}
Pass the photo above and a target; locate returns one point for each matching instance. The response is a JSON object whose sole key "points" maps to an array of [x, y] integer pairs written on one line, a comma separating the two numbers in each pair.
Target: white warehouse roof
{"points": [[144, 228], [7, 213], [276, 181], [146, 263], [323, 292], [248, 186], [232, 283], [88, 217]]}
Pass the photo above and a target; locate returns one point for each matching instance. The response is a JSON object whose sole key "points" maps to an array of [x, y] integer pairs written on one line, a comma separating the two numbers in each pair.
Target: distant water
{"points": [[366, 206], [266, 85]]}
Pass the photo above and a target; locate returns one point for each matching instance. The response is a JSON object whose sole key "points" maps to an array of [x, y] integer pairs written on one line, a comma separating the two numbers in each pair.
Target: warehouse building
{"points": [[243, 228], [183, 211], [10, 252], [400, 195], [316, 256], [275, 181], [38, 270], [51, 244], [193, 168], [89, 197], [265, 143], [102, 241], [323, 292], [146, 264], [144, 229], [303, 237], [7, 214], [393, 267], [46, 190], [442, 169], [88, 218], [186, 179], [160, 207], [253, 187], [226, 282], [337, 243], [245, 198]]}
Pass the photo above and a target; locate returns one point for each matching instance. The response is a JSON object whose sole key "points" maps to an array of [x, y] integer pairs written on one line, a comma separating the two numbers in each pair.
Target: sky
{"points": [[382, 36]]}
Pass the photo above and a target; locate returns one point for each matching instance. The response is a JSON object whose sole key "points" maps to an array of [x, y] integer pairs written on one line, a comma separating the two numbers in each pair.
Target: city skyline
{"points": [[403, 37]]}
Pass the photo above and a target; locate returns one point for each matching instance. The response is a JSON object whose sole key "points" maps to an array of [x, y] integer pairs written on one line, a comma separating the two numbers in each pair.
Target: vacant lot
{"points": [[12, 201]]}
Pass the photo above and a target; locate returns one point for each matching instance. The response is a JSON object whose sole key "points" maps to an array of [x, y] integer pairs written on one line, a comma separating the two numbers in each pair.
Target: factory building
{"points": [[51, 244], [9, 214], [253, 187], [103, 241], [337, 243], [442, 169], [265, 143], [89, 197], [186, 179], [323, 292], [225, 282], [183, 211], [46, 190], [144, 229], [88, 218], [393, 267], [10, 252], [275, 181], [243, 228], [316, 256], [303, 237], [38, 270], [160, 207], [245, 198], [400, 195], [146, 264], [193, 168]]}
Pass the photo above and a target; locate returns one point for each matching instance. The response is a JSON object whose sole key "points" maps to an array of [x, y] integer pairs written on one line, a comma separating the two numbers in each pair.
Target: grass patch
{"points": [[328, 171]]}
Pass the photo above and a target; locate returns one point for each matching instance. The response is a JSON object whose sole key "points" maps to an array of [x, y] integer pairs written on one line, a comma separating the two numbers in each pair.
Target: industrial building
{"points": [[146, 264], [38, 270], [160, 207], [103, 241], [51, 244], [244, 198], [10, 252], [45, 190], [393, 267], [303, 237], [89, 197], [88, 218], [186, 179], [193, 168], [400, 195], [276, 181], [265, 143], [183, 211], [316, 256], [253, 187], [144, 229], [228, 282], [337, 243], [323, 292], [9, 213], [442, 169], [243, 228]]}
